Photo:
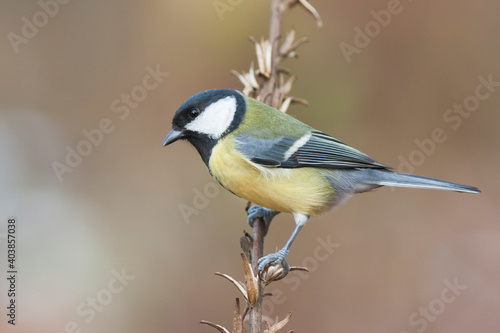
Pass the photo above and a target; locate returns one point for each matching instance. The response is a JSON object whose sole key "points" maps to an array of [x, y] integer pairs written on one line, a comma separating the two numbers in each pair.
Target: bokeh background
{"points": [[119, 209]]}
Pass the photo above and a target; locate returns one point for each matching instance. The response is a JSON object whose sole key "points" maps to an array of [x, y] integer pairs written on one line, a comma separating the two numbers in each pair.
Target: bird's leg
{"points": [[279, 257], [266, 214]]}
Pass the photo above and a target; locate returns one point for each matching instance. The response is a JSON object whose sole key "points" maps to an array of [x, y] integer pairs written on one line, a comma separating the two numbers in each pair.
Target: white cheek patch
{"points": [[216, 118]]}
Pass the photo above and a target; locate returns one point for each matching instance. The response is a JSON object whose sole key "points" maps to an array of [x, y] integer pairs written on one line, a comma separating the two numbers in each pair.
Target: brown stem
{"points": [[259, 231], [272, 98], [272, 91], [269, 88], [255, 318]]}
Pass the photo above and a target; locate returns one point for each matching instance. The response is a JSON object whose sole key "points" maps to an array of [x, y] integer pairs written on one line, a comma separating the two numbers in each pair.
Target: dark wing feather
{"points": [[320, 151]]}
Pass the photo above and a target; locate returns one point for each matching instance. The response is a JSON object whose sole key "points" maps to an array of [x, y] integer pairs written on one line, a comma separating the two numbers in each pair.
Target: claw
{"points": [[256, 212], [274, 273], [273, 259]]}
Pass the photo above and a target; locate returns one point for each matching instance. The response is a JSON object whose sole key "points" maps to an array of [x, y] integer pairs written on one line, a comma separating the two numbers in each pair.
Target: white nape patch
{"points": [[297, 145], [216, 118]]}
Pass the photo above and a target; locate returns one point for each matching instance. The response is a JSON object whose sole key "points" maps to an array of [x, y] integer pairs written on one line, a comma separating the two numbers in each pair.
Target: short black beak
{"points": [[173, 136]]}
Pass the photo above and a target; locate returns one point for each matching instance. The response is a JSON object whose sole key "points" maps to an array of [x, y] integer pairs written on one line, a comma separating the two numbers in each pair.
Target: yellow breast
{"points": [[300, 190]]}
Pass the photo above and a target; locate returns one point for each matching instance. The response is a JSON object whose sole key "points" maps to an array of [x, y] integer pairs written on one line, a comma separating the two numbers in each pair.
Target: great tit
{"points": [[279, 163]]}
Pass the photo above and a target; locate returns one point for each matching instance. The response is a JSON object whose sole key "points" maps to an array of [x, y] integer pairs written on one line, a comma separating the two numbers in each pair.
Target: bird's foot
{"points": [[277, 261], [266, 214]]}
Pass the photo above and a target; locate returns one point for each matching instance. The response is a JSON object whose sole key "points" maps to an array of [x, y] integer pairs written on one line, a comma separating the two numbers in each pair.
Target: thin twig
{"points": [[272, 98], [255, 317], [269, 87], [269, 83]]}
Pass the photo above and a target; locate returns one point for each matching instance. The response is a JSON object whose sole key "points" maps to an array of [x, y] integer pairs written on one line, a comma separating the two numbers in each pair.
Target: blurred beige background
{"points": [[118, 212]]}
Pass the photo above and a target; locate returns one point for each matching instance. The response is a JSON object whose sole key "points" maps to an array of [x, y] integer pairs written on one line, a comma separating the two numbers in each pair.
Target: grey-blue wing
{"points": [[315, 149]]}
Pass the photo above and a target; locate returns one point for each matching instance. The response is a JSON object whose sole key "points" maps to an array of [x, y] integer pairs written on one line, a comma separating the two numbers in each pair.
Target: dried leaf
{"points": [[313, 11], [291, 51], [287, 86], [237, 320], [218, 327], [291, 100], [284, 106], [252, 282], [263, 51], [299, 268], [241, 77], [251, 77], [290, 37], [238, 285], [284, 70], [248, 80], [268, 55], [246, 244], [289, 46], [300, 101], [276, 327], [260, 59]]}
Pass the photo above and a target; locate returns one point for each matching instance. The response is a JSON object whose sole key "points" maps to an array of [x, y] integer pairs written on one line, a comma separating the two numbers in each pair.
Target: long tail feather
{"points": [[388, 178]]}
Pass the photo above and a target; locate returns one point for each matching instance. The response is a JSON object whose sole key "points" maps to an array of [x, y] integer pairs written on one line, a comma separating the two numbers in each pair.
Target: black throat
{"points": [[203, 145]]}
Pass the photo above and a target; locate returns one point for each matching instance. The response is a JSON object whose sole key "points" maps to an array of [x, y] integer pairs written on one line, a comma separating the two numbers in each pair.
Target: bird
{"points": [[279, 163]]}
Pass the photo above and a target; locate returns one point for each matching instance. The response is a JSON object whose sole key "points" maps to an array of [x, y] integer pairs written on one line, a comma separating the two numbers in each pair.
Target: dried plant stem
{"points": [[255, 316], [269, 89], [269, 84], [271, 97]]}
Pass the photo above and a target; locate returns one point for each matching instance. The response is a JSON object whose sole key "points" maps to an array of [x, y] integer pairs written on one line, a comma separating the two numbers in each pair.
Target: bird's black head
{"points": [[207, 117]]}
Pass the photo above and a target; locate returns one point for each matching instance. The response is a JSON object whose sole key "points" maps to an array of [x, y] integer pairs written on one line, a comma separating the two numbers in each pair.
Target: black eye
{"points": [[193, 113]]}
